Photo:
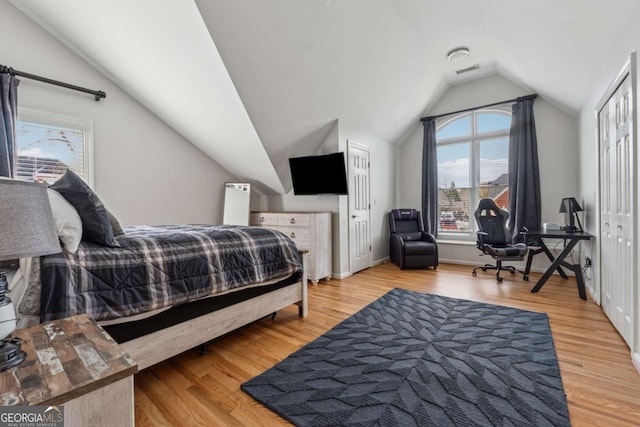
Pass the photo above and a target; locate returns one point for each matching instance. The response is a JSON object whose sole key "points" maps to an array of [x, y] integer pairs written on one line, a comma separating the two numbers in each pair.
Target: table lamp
{"points": [[569, 207], [26, 230]]}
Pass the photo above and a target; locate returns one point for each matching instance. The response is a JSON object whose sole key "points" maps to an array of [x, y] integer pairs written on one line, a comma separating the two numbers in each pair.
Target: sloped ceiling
{"points": [[252, 82]]}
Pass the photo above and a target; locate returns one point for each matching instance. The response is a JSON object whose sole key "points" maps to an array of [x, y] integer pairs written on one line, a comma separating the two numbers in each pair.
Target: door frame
{"points": [[353, 144], [629, 69]]}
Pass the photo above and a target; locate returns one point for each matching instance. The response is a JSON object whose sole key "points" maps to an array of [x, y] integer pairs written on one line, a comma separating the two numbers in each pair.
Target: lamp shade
{"points": [[570, 204], [26, 222]]}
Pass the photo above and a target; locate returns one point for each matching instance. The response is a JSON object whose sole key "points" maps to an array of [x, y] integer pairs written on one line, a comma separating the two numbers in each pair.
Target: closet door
{"points": [[617, 226]]}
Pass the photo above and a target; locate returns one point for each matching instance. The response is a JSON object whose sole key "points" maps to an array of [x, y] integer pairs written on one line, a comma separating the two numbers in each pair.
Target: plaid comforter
{"points": [[160, 266]]}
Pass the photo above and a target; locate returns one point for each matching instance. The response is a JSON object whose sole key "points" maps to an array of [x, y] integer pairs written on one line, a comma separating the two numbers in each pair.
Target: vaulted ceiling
{"points": [[252, 82]]}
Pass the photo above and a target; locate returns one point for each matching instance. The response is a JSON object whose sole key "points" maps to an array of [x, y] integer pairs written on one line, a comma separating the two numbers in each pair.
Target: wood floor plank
{"points": [[602, 386]]}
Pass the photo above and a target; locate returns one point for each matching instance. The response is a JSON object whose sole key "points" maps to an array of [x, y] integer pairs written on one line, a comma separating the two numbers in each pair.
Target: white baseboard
{"points": [[491, 261], [340, 276], [636, 360], [380, 261]]}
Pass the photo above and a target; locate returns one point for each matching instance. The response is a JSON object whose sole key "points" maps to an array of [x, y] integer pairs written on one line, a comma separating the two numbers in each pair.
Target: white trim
{"points": [[53, 119], [475, 264], [472, 140], [636, 361], [456, 242], [628, 69], [380, 261], [359, 146], [340, 276]]}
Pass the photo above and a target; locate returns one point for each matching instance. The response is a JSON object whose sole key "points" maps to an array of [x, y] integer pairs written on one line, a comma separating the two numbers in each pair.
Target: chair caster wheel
{"points": [[513, 272], [484, 269], [474, 274], [499, 279], [526, 278]]}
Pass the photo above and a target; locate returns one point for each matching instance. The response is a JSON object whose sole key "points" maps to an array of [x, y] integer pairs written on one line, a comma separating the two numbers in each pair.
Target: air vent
{"points": [[466, 70]]}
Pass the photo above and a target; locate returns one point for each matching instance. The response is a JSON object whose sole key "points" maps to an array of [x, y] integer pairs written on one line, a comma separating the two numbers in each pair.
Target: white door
{"points": [[617, 228], [359, 206]]}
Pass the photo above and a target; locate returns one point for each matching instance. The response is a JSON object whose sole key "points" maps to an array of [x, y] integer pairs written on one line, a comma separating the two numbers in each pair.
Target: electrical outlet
{"points": [[587, 262]]}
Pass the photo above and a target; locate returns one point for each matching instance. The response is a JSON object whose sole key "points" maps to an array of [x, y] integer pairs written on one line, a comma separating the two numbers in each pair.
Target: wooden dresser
{"points": [[310, 231], [73, 362]]}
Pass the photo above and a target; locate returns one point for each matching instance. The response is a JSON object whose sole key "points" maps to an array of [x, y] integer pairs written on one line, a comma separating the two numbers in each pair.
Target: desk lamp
{"points": [[569, 207], [26, 230]]}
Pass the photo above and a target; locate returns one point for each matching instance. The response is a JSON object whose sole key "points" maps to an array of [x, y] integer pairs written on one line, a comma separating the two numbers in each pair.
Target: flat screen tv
{"points": [[314, 175]]}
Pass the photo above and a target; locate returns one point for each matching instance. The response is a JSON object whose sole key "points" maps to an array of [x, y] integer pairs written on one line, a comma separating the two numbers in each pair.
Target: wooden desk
{"points": [[75, 363], [571, 240]]}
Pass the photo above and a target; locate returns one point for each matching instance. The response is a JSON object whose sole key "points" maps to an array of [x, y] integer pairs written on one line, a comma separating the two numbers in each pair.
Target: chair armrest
{"points": [[397, 243], [428, 237], [523, 235], [480, 241]]}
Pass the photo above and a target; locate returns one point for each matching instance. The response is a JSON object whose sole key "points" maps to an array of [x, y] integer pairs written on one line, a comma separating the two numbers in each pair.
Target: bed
{"points": [[165, 289]]}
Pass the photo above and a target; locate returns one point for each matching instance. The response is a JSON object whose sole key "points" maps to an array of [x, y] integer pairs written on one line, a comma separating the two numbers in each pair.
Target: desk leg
{"points": [[578, 271], [532, 253], [555, 265], [547, 252]]}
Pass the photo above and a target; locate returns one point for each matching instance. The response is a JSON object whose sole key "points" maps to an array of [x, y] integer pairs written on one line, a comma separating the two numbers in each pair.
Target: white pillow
{"points": [[67, 221]]}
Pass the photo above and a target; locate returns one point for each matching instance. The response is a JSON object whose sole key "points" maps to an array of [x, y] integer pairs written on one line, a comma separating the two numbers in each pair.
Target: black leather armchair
{"points": [[409, 245], [494, 239]]}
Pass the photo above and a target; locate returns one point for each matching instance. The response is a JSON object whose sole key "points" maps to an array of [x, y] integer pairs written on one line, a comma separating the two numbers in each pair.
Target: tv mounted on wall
{"points": [[314, 175]]}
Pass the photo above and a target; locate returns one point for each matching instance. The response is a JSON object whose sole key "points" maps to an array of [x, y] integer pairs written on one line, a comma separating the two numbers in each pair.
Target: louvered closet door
{"points": [[616, 203]]}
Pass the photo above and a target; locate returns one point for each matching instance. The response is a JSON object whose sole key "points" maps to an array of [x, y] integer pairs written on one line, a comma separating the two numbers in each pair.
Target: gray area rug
{"points": [[412, 359]]}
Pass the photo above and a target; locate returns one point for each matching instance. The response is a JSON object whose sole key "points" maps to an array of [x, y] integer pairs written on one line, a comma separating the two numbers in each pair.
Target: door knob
{"points": [[354, 216]]}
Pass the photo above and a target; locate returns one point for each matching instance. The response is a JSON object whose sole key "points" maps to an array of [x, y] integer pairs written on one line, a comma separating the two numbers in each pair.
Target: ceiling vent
{"points": [[466, 70]]}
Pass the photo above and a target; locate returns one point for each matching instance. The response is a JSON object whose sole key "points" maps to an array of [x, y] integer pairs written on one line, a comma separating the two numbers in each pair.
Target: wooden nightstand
{"points": [[73, 362]]}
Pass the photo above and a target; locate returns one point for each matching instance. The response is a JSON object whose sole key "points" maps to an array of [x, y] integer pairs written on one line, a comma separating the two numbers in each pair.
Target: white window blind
{"points": [[47, 145]]}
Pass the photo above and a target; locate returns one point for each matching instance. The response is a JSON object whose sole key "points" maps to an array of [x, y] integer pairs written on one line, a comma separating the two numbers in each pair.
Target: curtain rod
{"points": [[96, 93], [532, 96]]}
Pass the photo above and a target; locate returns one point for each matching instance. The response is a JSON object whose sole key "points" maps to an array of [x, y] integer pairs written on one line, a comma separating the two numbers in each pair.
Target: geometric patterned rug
{"points": [[413, 359]]}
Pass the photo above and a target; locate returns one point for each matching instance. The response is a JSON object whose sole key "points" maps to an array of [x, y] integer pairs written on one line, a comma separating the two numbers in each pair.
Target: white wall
{"points": [[382, 196], [557, 133], [144, 171], [629, 41]]}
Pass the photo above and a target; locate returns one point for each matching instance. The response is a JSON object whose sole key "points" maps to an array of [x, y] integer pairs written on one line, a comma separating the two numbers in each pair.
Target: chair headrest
{"points": [[487, 204], [490, 208], [405, 214]]}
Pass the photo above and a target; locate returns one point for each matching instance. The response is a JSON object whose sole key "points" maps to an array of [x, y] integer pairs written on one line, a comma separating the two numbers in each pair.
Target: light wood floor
{"points": [[602, 386]]}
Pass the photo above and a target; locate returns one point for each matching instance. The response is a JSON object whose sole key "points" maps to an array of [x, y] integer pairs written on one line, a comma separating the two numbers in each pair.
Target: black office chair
{"points": [[409, 245], [494, 239]]}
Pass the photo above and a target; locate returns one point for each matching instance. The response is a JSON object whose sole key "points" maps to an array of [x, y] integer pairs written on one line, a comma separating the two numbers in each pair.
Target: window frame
{"points": [[52, 119], [473, 140]]}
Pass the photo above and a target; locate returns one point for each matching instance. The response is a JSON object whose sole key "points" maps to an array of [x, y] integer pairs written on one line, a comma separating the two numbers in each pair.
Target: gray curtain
{"points": [[524, 175], [430, 177], [8, 118]]}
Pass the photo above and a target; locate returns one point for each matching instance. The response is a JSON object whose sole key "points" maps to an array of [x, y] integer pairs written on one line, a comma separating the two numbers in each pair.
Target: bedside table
{"points": [[73, 362]]}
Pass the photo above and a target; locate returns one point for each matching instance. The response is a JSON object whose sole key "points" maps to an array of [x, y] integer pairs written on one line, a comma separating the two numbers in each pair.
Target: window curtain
{"points": [[430, 177], [8, 118], [524, 175]]}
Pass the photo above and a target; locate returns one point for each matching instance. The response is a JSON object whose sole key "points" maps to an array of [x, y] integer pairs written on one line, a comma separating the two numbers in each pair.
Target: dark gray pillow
{"points": [[115, 224], [95, 221]]}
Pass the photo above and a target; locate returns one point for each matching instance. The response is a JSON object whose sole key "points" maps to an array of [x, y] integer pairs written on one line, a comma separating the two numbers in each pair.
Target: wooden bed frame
{"points": [[155, 347]]}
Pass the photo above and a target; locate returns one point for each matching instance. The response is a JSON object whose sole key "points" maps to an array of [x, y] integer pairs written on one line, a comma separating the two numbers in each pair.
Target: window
{"points": [[473, 155], [49, 144]]}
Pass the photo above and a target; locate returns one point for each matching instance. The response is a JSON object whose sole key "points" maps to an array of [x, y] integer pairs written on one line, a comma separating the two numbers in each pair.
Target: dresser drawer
{"points": [[300, 236], [294, 219], [258, 218]]}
